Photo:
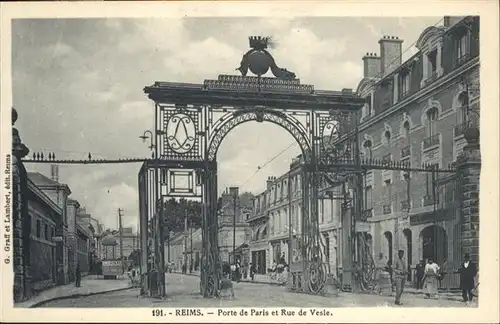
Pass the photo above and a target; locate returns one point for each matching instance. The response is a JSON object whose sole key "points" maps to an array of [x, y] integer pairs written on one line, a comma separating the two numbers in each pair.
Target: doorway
{"points": [[434, 243]]}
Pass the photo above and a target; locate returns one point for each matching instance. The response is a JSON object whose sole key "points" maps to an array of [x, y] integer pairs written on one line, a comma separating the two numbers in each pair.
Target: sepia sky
{"points": [[78, 88]]}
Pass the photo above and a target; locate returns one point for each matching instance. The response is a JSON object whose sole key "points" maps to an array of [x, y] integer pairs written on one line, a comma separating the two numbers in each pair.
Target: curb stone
{"points": [[40, 303]]}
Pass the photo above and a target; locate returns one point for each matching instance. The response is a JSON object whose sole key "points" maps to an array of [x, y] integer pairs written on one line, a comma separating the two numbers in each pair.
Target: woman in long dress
{"points": [[431, 278]]}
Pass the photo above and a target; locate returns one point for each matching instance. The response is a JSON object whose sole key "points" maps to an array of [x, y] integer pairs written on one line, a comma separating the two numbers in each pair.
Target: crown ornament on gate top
{"points": [[258, 42], [258, 60]]}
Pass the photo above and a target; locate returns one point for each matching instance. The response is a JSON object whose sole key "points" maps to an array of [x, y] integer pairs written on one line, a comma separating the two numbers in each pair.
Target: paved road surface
{"points": [[183, 291]]}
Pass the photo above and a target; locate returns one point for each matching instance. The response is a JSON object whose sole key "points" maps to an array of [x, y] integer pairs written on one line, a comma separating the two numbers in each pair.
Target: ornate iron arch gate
{"points": [[193, 119]]}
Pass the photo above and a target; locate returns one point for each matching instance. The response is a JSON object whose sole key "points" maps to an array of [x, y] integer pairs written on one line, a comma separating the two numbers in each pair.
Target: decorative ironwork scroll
{"points": [[231, 120]]}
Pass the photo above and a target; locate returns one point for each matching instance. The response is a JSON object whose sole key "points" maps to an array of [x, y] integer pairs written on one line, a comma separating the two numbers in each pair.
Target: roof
{"points": [[43, 181], [40, 179]]}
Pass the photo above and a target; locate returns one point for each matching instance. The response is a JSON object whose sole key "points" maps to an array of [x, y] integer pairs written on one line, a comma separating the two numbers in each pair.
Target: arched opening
{"points": [[434, 243], [387, 136], [409, 250], [431, 121], [388, 239], [406, 129], [232, 120]]}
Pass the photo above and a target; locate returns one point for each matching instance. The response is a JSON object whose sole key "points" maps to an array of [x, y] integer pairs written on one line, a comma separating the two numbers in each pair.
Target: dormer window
{"points": [[462, 46], [404, 83], [432, 56]]}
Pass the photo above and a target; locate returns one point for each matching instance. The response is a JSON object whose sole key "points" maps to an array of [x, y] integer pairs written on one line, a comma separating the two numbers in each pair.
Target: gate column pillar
{"points": [[469, 170]]}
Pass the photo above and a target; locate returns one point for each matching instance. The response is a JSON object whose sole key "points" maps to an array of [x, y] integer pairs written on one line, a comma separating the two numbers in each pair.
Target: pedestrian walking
{"points": [[467, 271], [400, 273], [78, 275], [419, 274], [253, 270], [431, 274]]}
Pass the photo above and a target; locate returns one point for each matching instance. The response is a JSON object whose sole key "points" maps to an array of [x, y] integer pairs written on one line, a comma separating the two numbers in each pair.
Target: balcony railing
{"points": [[430, 141], [405, 151], [387, 209], [404, 94], [386, 158], [432, 77], [462, 59], [460, 128], [367, 213]]}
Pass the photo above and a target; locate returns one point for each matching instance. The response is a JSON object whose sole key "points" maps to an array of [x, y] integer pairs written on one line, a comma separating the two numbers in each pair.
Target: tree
{"points": [[174, 212]]}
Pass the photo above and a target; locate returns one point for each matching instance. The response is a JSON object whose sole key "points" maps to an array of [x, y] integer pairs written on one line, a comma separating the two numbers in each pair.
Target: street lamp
{"points": [[234, 191], [144, 137]]}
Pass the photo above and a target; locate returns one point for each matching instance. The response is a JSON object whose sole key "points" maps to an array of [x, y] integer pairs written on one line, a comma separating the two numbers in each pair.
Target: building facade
{"points": [[275, 227], [21, 222], [58, 193], [46, 217], [233, 227], [417, 111]]}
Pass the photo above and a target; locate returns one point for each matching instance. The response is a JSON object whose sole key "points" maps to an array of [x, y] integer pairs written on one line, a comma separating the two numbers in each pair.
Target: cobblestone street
{"points": [[183, 291]]}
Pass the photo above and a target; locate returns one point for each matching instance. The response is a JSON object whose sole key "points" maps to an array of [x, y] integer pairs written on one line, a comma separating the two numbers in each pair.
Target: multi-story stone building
{"points": [[58, 193], [417, 111], [277, 218], [233, 228], [45, 217]]}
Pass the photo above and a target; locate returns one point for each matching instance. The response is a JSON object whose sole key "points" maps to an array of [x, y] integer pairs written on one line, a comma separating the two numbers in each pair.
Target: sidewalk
{"points": [[265, 280], [90, 285]]}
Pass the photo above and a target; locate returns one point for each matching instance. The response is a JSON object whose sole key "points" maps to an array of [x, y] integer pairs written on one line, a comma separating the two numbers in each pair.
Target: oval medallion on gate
{"points": [[181, 133], [331, 138]]}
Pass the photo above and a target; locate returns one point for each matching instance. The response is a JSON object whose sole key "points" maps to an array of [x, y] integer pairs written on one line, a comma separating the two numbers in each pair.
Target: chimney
{"points": [[234, 191], [390, 53], [371, 64], [54, 172], [446, 21], [269, 182]]}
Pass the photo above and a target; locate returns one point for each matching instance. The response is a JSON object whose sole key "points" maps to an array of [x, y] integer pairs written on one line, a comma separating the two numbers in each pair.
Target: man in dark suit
{"points": [[468, 271]]}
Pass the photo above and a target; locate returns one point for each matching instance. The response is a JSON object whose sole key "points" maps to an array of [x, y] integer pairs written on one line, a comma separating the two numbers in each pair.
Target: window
{"points": [[432, 116], [53, 234], [387, 136], [368, 198], [462, 47], [367, 146], [387, 189], [463, 99], [46, 232], [38, 228], [405, 83], [433, 61], [368, 106]]}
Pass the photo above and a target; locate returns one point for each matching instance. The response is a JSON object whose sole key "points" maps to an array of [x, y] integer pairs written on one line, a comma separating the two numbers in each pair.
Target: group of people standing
{"points": [[428, 274]]}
